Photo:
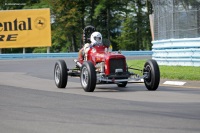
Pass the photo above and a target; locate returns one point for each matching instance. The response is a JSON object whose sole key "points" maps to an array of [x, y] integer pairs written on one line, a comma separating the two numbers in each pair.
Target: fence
{"points": [[176, 31], [176, 19], [67, 55]]}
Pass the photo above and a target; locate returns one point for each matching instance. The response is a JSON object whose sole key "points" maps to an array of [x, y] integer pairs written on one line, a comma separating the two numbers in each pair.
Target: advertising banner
{"points": [[25, 28]]}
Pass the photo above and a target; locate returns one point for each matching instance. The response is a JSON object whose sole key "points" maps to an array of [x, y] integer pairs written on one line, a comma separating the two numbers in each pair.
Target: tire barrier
{"points": [[173, 52]]}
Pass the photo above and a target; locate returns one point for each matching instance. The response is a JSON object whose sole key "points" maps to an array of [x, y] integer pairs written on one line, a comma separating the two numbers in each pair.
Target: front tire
{"points": [[152, 79], [60, 74], [88, 76]]}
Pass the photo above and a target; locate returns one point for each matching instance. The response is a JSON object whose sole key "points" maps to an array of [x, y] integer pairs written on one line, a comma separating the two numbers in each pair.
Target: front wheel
{"points": [[152, 72], [60, 74], [88, 76]]}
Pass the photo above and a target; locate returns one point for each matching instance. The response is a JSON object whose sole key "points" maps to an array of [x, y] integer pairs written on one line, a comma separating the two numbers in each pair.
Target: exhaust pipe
{"points": [[78, 63]]}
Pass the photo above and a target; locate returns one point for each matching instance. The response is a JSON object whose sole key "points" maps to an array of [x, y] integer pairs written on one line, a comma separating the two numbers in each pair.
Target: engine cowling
{"points": [[114, 62]]}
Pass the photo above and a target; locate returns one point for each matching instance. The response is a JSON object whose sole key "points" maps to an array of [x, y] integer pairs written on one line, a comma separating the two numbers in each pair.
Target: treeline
{"points": [[124, 22]]}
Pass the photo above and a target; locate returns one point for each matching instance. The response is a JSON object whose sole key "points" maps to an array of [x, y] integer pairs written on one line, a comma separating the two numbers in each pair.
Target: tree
{"points": [[127, 39], [124, 22], [108, 17], [135, 28], [66, 28]]}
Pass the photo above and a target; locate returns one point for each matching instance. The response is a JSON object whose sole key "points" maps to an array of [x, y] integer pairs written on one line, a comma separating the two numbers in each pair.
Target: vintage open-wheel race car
{"points": [[101, 66]]}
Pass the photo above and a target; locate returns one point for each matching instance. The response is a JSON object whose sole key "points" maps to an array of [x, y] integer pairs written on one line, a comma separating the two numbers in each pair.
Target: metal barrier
{"points": [[183, 52], [67, 55]]}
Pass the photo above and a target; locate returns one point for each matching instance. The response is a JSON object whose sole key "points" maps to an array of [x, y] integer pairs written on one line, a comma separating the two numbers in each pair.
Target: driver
{"points": [[95, 38]]}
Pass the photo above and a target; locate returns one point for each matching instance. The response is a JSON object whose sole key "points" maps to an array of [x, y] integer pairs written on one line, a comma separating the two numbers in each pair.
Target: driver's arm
{"points": [[86, 48]]}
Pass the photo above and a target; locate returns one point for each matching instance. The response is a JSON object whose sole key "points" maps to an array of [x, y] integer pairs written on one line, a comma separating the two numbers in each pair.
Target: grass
{"points": [[171, 72]]}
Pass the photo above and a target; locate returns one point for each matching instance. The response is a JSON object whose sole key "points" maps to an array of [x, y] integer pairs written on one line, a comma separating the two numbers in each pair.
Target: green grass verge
{"points": [[171, 72]]}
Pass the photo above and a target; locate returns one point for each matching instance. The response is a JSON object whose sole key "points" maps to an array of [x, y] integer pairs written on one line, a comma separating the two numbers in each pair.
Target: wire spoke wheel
{"points": [[60, 74], [84, 77], [88, 76], [57, 74]]}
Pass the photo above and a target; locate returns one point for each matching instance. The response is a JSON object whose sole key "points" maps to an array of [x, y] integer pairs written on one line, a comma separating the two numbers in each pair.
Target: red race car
{"points": [[96, 64]]}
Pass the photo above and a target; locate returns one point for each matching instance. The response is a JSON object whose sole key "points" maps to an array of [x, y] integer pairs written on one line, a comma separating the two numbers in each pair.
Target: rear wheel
{"points": [[88, 76], [60, 74], [152, 79]]}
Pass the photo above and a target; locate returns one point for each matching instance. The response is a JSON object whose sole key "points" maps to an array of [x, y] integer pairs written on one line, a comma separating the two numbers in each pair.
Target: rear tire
{"points": [[153, 75], [88, 76], [60, 74]]}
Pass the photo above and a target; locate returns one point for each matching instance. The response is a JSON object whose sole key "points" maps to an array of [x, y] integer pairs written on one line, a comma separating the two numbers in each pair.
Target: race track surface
{"points": [[30, 102]]}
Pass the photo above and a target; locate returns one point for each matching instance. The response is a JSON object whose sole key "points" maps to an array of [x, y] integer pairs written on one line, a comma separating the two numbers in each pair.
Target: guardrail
{"points": [[67, 55], [183, 52]]}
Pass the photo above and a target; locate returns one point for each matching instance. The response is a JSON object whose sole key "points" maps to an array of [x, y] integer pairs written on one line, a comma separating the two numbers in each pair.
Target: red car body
{"points": [[99, 53], [100, 66]]}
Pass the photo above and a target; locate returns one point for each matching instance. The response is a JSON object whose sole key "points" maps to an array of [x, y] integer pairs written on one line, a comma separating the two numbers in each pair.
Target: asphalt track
{"points": [[31, 103]]}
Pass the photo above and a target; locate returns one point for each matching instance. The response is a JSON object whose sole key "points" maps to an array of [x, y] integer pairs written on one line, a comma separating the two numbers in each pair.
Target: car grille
{"points": [[116, 64]]}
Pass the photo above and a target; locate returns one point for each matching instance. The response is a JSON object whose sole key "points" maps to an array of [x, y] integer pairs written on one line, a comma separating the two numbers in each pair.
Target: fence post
{"points": [[48, 49], [24, 50], [151, 18]]}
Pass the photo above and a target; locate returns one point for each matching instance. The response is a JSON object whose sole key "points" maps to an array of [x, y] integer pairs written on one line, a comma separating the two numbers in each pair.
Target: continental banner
{"points": [[25, 28]]}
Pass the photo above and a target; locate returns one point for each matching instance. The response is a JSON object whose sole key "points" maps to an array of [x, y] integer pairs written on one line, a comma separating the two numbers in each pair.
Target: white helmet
{"points": [[95, 38]]}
